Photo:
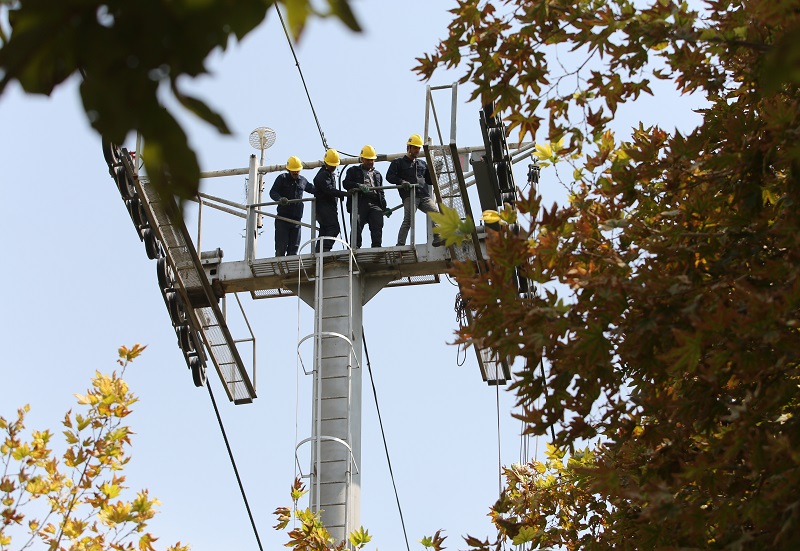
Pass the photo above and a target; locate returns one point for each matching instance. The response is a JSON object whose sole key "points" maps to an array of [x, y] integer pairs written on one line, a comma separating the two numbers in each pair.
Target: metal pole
{"points": [[453, 115], [336, 439], [252, 199]]}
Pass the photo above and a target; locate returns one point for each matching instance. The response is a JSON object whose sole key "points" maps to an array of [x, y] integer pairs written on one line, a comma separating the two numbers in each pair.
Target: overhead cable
{"points": [[235, 470], [299, 70], [499, 447], [383, 434]]}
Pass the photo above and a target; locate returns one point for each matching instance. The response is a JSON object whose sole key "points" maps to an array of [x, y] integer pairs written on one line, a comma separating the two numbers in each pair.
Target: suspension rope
{"points": [[302, 78], [383, 435], [499, 455], [233, 463]]}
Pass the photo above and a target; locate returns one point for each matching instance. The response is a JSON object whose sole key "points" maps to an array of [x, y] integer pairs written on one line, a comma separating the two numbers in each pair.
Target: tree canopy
{"points": [[125, 52], [676, 344]]}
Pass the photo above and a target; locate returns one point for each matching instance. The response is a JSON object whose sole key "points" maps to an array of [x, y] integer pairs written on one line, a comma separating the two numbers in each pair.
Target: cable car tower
{"points": [[335, 284]]}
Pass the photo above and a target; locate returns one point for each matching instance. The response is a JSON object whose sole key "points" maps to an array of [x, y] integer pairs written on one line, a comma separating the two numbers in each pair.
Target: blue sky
{"points": [[78, 284]]}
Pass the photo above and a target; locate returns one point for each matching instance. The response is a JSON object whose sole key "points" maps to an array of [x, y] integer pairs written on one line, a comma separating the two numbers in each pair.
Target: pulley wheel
{"points": [[496, 141], [133, 206], [119, 178], [143, 220], [177, 313], [503, 180], [164, 272], [150, 243], [111, 153], [185, 340], [198, 370]]}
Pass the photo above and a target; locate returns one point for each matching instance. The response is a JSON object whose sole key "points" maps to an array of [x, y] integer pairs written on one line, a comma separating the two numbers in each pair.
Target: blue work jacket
{"points": [[286, 186], [413, 172], [355, 177], [325, 184]]}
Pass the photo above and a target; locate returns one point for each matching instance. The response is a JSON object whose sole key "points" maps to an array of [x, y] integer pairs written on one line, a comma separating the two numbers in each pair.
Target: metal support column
{"points": [[335, 481]]}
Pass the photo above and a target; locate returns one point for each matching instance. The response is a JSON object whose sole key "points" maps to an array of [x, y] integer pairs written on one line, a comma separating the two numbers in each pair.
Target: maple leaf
{"points": [[450, 226]]}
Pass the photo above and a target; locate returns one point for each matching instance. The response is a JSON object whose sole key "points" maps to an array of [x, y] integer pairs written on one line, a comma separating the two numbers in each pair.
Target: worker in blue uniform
{"points": [[409, 171], [288, 186], [363, 179], [328, 197]]}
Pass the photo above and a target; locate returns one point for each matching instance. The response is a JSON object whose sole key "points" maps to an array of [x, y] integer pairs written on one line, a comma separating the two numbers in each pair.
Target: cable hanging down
{"points": [[235, 470], [383, 434]]}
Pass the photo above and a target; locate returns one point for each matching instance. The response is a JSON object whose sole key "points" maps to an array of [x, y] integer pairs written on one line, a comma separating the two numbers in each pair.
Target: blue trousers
{"points": [[287, 238]]}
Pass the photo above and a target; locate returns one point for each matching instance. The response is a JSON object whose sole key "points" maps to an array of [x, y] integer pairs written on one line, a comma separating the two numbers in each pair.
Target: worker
{"points": [[288, 186], [327, 195], [409, 171], [364, 179]]}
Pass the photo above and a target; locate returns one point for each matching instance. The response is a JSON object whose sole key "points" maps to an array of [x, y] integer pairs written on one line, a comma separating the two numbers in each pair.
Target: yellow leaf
{"points": [[21, 452], [36, 486], [298, 493], [543, 152], [110, 490], [128, 355], [490, 216], [83, 400]]}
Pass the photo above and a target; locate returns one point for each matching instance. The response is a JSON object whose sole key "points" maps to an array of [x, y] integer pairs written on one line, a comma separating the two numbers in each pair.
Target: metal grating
{"points": [[288, 268], [414, 280], [451, 191], [271, 293]]}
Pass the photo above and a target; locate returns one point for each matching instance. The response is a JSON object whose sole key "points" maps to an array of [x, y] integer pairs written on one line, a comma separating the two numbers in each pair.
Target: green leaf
{"points": [[525, 534], [341, 9], [199, 108], [450, 226], [359, 538]]}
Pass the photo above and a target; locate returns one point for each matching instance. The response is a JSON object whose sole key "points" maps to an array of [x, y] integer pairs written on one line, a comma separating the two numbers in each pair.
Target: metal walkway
{"points": [[192, 286]]}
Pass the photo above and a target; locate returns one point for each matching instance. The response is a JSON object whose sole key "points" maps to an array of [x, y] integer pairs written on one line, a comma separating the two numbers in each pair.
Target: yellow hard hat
{"points": [[294, 164], [415, 140], [368, 152], [331, 157]]}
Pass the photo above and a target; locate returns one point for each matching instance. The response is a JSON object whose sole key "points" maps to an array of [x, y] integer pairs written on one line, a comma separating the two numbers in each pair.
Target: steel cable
{"points": [[383, 434], [302, 78], [233, 463]]}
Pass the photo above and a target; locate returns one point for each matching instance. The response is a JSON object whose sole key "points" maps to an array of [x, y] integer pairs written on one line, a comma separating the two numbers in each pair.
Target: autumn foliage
{"points": [[75, 500], [667, 304]]}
